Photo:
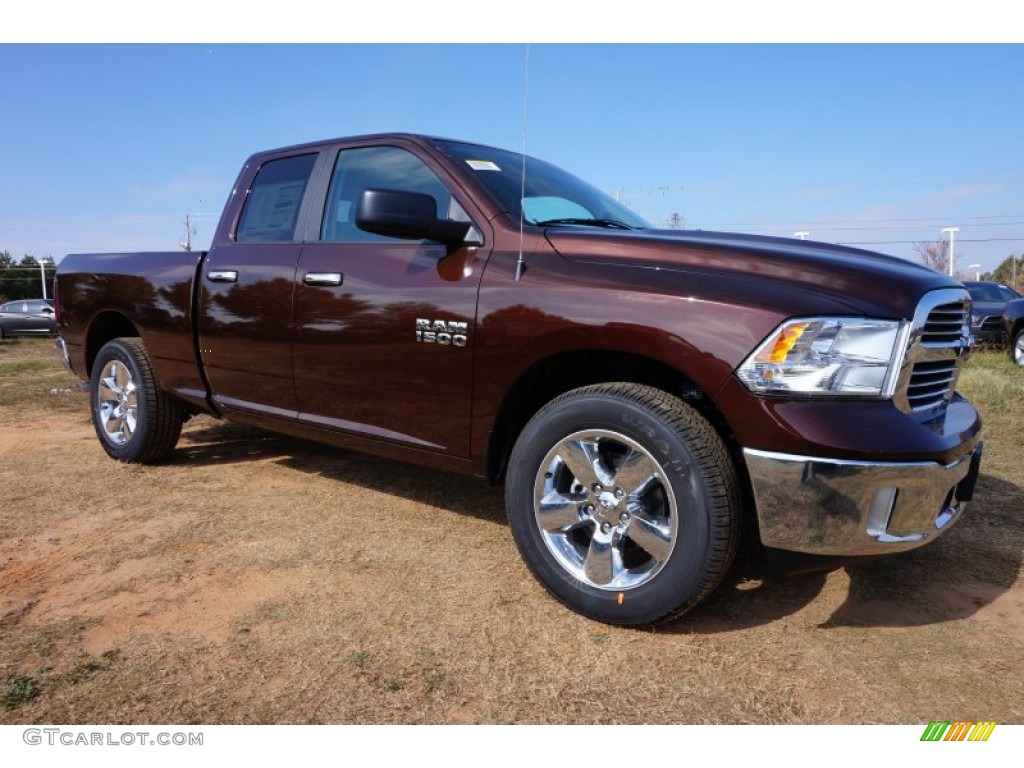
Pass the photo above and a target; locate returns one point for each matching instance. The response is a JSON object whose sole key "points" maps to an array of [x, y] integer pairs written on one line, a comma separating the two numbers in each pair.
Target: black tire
{"points": [[1017, 347], [134, 419], [624, 503]]}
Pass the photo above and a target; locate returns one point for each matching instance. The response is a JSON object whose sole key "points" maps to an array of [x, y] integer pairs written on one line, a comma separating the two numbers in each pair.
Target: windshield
{"points": [[991, 292], [552, 195]]}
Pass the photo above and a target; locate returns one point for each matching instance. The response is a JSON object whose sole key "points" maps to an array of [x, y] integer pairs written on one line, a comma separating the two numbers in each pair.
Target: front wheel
{"points": [[624, 503], [134, 419], [1017, 347]]}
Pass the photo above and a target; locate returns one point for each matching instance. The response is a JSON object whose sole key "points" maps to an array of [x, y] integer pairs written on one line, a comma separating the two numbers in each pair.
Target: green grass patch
{"points": [[359, 658], [17, 367], [17, 690], [992, 381]]}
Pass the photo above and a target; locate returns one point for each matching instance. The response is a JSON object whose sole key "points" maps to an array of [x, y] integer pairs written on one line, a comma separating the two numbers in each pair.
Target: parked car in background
{"points": [[27, 317], [1013, 324], [989, 301]]}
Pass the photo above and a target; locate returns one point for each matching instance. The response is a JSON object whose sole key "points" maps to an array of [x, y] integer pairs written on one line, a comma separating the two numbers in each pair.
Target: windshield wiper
{"points": [[606, 223]]}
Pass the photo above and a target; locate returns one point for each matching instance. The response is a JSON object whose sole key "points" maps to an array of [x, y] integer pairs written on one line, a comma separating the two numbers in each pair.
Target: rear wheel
{"points": [[134, 419], [624, 503], [1017, 347]]}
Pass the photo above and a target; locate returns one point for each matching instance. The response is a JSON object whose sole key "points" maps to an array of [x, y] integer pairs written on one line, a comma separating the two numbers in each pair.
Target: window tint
{"points": [[272, 208], [378, 168], [991, 292]]}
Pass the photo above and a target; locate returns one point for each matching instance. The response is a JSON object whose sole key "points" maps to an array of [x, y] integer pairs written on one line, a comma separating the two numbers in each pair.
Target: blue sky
{"points": [[107, 147]]}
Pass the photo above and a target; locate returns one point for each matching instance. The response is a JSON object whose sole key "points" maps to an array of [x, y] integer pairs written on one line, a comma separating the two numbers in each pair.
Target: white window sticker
{"points": [[482, 165]]}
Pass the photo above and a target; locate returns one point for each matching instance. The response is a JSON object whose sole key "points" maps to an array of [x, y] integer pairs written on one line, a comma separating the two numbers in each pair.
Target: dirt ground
{"points": [[259, 579]]}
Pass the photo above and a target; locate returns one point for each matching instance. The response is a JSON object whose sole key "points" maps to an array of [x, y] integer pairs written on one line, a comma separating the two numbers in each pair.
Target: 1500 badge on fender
{"points": [[444, 332]]}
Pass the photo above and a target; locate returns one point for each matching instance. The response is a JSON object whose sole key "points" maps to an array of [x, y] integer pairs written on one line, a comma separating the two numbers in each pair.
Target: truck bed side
{"points": [[151, 295]]}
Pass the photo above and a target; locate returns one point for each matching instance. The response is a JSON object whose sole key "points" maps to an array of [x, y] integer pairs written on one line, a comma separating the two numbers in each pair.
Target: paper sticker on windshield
{"points": [[482, 165]]}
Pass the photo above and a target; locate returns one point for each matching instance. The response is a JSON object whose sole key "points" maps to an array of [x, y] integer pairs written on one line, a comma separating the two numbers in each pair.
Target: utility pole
{"points": [[189, 231], [42, 273], [952, 259]]}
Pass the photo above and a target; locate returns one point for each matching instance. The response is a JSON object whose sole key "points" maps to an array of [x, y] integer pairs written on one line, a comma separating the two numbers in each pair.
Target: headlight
{"points": [[824, 356]]}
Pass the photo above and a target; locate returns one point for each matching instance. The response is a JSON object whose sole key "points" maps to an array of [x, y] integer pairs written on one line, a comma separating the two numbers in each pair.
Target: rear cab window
{"points": [[271, 209]]}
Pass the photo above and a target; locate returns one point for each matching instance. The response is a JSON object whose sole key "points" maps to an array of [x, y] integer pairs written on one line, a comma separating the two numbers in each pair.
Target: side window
{"points": [[378, 168], [272, 207]]}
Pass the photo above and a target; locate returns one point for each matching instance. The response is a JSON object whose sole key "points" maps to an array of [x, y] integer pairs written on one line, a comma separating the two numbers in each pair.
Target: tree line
{"points": [[1008, 273], [23, 279]]}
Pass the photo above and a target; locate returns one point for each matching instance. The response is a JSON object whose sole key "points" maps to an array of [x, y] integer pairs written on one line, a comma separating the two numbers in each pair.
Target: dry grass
{"points": [[259, 579]]}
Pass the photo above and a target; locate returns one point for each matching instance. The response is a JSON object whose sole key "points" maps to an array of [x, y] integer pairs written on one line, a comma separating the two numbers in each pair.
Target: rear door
{"points": [[246, 293], [385, 328]]}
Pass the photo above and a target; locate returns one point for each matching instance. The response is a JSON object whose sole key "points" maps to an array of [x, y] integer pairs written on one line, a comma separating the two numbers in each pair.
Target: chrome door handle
{"points": [[323, 278], [222, 275]]}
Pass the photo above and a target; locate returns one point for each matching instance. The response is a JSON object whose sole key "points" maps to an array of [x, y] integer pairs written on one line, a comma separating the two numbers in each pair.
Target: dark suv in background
{"points": [[990, 300]]}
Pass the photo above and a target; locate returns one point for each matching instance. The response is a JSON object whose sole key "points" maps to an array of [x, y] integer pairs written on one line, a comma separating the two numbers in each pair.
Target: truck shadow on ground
{"points": [[227, 443], [965, 572], [967, 569]]}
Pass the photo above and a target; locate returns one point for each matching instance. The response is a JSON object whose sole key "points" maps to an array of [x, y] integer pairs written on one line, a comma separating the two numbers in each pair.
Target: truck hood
{"points": [[865, 282]]}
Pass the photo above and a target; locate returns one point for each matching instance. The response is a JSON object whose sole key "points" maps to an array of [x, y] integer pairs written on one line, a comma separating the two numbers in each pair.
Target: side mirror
{"points": [[408, 215]]}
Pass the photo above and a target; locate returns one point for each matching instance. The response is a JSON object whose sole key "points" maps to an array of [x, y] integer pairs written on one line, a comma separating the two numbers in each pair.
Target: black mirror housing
{"points": [[408, 215]]}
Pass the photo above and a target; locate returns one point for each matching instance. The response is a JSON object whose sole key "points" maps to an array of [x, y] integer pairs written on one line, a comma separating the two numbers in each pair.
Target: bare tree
{"points": [[189, 231], [675, 220], [934, 255]]}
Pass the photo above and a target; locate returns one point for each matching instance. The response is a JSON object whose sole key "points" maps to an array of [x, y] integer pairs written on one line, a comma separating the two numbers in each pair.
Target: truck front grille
{"points": [[936, 348], [944, 325]]}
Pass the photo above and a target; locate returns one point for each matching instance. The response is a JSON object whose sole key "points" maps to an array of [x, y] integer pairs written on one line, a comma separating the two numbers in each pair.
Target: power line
{"points": [[923, 226], [921, 221], [914, 242]]}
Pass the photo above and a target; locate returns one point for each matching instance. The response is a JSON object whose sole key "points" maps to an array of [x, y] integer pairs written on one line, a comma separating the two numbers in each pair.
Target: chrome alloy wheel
{"points": [[1018, 349], [117, 403], [605, 510]]}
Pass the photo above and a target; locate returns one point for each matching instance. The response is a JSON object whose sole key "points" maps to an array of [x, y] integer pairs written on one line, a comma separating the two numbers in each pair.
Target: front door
{"points": [[385, 328]]}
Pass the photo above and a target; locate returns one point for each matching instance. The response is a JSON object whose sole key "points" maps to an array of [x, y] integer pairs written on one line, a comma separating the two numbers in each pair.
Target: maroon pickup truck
{"points": [[644, 394]]}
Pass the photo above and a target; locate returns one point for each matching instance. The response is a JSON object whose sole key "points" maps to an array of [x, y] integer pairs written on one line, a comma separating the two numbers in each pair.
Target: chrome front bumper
{"points": [[849, 508]]}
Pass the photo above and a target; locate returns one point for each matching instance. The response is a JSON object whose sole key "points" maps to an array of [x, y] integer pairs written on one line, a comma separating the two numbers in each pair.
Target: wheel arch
{"points": [[105, 327], [564, 371]]}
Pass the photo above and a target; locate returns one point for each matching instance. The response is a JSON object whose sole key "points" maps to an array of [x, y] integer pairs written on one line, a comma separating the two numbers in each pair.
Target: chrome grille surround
{"points": [[936, 347]]}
